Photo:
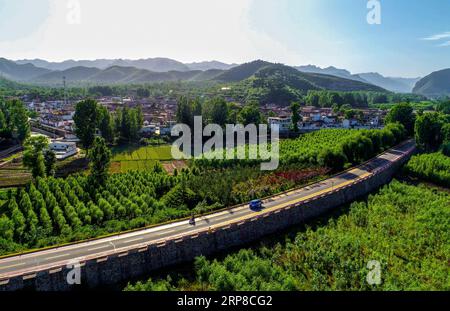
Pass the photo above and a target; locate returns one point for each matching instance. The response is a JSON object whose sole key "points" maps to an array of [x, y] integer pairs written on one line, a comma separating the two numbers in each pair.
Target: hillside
{"points": [[211, 65], [434, 85], [242, 72], [280, 84], [120, 74], [151, 64], [333, 71], [18, 72], [398, 85]]}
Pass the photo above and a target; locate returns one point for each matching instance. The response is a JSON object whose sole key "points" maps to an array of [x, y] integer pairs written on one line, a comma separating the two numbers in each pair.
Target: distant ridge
{"points": [[393, 84], [158, 64], [436, 84]]}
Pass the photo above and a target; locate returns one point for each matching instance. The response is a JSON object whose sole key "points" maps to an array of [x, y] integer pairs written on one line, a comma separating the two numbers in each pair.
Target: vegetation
{"points": [[405, 228], [14, 123], [432, 130], [333, 148], [38, 158], [434, 167], [403, 114]]}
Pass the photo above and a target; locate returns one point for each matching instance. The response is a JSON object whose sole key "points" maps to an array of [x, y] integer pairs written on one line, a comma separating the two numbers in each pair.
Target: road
{"points": [[57, 257]]}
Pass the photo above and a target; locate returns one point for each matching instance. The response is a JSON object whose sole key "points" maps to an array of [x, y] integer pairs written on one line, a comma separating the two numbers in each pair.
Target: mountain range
{"points": [[397, 85], [164, 69], [436, 84], [152, 64]]}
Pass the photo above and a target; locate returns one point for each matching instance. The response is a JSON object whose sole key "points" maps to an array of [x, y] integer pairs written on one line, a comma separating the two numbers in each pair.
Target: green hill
{"points": [[25, 72], [434, 85], [280, 84]]}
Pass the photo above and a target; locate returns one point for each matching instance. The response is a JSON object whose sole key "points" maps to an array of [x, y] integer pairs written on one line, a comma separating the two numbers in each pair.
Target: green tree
{"points": [[19, 221], [250, 114], [106, 125], [86, 120], [33, 157], [216, 111], [100, 158], [402, 113], [50, 162], [295, 107], [428, 131], [6, 228]]}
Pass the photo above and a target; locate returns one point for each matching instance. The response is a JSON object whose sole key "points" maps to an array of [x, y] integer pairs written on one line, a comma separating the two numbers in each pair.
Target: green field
{"points": [[131, 158]]}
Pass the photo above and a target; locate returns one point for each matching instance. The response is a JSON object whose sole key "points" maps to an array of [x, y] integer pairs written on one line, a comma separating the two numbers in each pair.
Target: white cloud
{"points": [[437, 37], [444, 44], [184, 30]]}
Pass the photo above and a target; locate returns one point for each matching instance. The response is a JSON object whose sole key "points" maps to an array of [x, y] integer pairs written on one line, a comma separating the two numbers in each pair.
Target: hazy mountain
{"points": [[210, 65], [75, 74], [333, 71], [398, 85], [19, 72], [59, 66], [121, 74], [435, 84]]}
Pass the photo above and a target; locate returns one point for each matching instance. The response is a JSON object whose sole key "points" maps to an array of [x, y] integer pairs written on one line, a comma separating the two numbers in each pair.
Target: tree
{"points": [[6, 228], [19, 222], [428, 131], [334, 159], [33, 157], [86, 120], [106, 125], [50, 162], [402, 113], [295, 107], [100, 157], [216, 111], [250, 114], [19, 120]]}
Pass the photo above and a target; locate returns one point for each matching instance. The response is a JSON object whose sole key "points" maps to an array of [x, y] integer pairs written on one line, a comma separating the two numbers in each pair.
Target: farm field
{"points": [[128, 158]]}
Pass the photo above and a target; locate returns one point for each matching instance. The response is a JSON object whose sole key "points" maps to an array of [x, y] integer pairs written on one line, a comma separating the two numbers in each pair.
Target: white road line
{"points": [[12, 266], [99, 247], [58, 256], [133, 240], [165, 232]]}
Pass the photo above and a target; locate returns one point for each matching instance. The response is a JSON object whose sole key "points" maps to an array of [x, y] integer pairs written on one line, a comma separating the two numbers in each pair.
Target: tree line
{"points": [[14, 125], [91, 119]]}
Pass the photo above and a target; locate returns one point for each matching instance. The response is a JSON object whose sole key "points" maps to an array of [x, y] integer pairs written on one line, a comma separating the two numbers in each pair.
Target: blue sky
{"points": [[413, 38]]}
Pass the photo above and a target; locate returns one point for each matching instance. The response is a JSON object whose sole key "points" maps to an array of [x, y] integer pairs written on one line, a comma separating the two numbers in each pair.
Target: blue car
{"points": [[255, 204]]}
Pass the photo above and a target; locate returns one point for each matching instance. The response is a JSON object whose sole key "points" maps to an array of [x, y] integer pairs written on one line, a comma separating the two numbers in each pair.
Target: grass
{"points": [[130, 153], [129, 158]]}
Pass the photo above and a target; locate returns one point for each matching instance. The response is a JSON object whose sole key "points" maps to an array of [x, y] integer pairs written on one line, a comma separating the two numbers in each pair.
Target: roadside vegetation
{"points": [[405, 228]]}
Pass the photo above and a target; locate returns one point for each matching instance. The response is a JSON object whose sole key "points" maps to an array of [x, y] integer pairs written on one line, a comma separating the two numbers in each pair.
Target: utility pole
{"points": [[65, 94]]}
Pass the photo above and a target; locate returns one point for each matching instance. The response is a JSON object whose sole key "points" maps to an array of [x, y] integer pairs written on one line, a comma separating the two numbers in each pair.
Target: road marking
{"points": [[133, 240], [99, 247], [58, 256], [12, 266], [165, 232]]}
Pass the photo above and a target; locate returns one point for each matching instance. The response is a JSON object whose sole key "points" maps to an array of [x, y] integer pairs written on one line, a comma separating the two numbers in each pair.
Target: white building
{"points": [[283, 123], [63, 150]]}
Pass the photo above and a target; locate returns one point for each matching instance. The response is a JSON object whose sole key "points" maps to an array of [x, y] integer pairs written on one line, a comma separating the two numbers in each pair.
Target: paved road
{"points": [[46, 259]]}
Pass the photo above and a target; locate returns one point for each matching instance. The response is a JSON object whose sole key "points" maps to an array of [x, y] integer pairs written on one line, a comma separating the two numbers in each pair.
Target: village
{"points": [[55, 119]]}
